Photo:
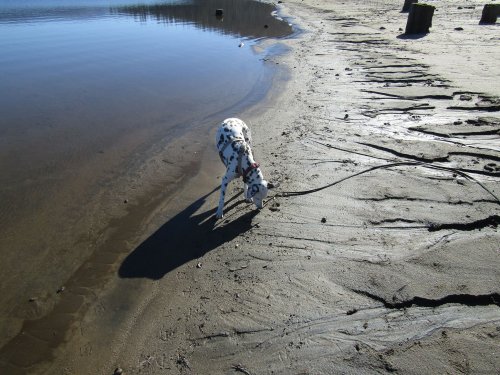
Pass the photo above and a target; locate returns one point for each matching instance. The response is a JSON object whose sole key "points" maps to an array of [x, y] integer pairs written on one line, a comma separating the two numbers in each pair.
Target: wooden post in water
{"points": [[419, 18], [407, 5], [490, 13], [219, 14]]}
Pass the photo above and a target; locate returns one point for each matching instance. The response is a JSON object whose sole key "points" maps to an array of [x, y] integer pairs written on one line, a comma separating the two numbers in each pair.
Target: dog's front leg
{"points": [[245, 192], [220, 210]]}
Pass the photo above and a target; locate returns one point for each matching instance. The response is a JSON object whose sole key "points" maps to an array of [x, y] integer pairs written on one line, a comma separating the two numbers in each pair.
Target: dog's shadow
{"points": [[185, 237]]}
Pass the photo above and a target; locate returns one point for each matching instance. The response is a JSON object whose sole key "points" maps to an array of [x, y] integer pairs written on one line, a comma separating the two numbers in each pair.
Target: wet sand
{"points": [[378, 252]]}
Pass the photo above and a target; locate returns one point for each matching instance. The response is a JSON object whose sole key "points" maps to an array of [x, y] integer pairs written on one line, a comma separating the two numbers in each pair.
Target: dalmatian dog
{"points": [[233, 141]]}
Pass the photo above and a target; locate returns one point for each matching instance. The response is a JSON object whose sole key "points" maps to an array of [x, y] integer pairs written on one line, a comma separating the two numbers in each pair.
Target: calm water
{"points": [[78, 76]]}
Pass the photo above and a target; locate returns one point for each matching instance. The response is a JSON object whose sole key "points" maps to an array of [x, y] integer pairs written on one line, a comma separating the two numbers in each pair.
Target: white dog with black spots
{"points": [[233, 141]]}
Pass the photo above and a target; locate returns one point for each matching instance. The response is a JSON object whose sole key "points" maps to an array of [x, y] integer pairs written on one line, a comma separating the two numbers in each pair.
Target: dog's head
{"points": [[258, 192]]}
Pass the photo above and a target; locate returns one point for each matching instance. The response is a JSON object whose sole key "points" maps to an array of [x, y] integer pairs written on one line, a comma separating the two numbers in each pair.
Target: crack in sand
{"points": [[427, 200], [409, 97], [470, 300], [491, 221]]}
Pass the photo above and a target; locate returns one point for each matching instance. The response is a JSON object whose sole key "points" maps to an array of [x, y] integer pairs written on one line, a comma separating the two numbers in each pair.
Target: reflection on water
{"points": [[243, 18], [86, 87], [29, 11]]}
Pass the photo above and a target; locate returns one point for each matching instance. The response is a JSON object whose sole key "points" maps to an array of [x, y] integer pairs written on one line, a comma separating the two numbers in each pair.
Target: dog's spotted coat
{"points": [[233, 141]]}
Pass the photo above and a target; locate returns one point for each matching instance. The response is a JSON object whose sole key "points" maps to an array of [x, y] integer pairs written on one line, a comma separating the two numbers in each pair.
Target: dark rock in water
{"points": [[323, 220], [490, 14], [459, 28], [266, 26], [464, 97], [219, 12], [419, 19]]}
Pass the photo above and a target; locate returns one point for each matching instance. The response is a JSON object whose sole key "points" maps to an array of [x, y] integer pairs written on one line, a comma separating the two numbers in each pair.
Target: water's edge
{"points": [[158, 182]]}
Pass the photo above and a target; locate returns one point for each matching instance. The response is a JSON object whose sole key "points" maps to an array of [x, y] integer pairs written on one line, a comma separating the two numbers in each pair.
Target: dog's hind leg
{"points": [[247, 134]]}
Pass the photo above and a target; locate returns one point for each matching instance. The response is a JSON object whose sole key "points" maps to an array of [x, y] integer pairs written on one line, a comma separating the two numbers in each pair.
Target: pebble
{"points": [[199, 265], [459, 28], [118, 371], [323, 220], [60, 290]]}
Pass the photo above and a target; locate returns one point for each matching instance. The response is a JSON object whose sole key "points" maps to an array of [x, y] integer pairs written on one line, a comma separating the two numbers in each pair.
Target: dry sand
{"points": [[392, 267]]}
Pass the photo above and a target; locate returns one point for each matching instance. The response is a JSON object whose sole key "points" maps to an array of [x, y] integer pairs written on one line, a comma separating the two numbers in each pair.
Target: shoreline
{"points": [[161, 198], [66, 179], [350, 278]]}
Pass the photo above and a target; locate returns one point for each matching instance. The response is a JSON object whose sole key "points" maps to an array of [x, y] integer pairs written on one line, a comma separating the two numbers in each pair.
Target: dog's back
{"points": [[232, 132]]}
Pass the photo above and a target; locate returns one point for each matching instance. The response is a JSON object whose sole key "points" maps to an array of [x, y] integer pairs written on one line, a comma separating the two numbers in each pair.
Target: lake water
{"points": [[86, 88], [76, 75]]}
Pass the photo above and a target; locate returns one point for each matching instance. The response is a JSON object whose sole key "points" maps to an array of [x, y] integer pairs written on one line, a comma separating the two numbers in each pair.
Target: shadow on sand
{"points": [[412, 36], [183, 238]]}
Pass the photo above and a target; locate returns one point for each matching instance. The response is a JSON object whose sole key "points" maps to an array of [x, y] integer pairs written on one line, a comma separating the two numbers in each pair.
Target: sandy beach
{"points": [[377, 252]]}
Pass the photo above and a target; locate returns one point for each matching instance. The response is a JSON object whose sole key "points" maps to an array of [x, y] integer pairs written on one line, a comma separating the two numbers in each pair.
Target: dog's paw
{"points": [[249, 200], [219, 215]]}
